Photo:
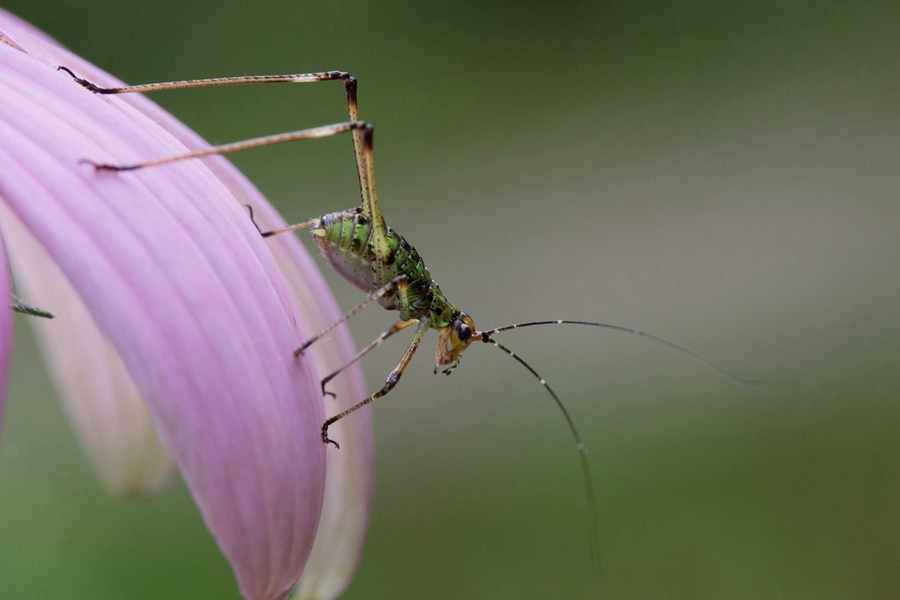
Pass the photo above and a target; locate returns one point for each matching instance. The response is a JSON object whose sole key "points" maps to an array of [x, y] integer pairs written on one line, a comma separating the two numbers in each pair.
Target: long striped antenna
{"points": [[680, 349], [486, 336], [593, 521]]}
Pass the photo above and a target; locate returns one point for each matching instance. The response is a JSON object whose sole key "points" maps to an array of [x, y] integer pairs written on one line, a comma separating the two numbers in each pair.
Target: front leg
{"points": [[389, 384]]}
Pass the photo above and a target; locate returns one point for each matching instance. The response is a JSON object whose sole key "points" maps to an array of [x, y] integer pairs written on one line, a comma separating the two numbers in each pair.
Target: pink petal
{"points": [[174, 273], [348, 484], [107, 411], [6, 334]]}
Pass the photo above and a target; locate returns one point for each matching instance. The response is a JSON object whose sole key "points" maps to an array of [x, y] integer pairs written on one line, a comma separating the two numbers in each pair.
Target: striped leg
{"points": [[379, 293], [389, 384], [350, 86], [398, 326]]}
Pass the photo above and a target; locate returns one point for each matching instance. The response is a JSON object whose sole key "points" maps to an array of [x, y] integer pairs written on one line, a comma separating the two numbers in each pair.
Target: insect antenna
{"points": [[486, 336], [593, 527], [680, 349]]}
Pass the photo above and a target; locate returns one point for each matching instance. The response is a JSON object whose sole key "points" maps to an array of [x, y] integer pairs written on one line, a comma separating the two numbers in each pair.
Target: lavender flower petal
{"points": [[100, 398], [173, 272], [6, 335]]}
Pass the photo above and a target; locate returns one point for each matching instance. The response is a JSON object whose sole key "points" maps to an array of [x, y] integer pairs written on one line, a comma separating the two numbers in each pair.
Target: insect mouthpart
{"points": [[455, 338]]}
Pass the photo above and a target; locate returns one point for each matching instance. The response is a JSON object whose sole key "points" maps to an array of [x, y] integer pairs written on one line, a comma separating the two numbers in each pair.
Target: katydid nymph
{"points": [[361, 248]]}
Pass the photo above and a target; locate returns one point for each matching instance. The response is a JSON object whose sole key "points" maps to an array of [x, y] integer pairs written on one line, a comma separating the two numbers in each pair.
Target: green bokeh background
{"points": [[723, 175]]}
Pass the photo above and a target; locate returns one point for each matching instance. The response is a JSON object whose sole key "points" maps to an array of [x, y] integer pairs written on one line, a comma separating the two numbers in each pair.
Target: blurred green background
{"points": [[724, 175]]}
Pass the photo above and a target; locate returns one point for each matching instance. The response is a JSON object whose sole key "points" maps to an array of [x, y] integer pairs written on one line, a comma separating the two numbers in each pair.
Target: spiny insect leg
{"points": [[19, 305], [361, 169], [379, 293], [211, 82], [304, 225], [398, 326], [350, 86], [389, 384], [380, 243], [281, 138], [294, 227]]}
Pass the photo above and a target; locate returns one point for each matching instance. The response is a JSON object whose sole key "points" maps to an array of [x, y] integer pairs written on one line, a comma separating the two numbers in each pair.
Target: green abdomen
{"points": [[345, 240]]}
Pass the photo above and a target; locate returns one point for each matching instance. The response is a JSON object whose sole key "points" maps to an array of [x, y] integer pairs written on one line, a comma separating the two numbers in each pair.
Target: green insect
{"points": [[366, 252]]}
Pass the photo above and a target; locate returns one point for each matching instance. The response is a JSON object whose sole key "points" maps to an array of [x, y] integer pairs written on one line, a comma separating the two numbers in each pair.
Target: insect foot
{"points": [[324, 383], [325, 437], [306, 344]]}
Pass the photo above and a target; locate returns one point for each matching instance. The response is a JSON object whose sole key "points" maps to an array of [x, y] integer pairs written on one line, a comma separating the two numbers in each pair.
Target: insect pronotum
{"points": [[366, 252]]}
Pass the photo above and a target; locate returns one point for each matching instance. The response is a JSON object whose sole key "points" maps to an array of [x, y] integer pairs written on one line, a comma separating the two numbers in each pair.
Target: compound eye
{"points": [[463, 328], [463, 332]]}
